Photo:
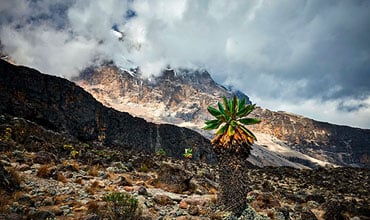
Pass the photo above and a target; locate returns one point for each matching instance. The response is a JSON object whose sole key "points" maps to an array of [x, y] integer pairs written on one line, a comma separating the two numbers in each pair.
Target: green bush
{"points": [[188, 153], [161, 152], [121, 205]]}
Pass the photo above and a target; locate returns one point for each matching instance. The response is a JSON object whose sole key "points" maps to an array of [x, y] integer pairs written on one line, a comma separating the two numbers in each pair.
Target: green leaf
{"points": [[221, 108], [246, 110], [214, 111], [234, 124], [249, 121], [248, 132], [226, 104], [250, 108], [212, 121], [213, 124], [231, 131], [234, 103], [241, 104], [223, 129], [230, 104]]}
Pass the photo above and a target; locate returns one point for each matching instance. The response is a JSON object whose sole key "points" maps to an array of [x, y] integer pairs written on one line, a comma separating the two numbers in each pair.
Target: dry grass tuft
{"points": [[95, 184], [92, 189], [93, 171], [75, 165], [44, 171], [62, 178], [79, 180], [16, 176]]}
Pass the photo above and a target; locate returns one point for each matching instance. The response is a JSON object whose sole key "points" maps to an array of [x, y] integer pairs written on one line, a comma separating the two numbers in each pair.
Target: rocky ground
{"points": [[72, 180]]}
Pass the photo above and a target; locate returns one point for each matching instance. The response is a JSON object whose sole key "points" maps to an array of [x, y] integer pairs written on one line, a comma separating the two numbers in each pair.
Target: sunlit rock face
{"points": [[181, 97]]}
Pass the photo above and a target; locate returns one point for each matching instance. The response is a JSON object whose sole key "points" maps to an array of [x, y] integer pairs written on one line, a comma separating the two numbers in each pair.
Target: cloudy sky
{"points": [[307, 57]]}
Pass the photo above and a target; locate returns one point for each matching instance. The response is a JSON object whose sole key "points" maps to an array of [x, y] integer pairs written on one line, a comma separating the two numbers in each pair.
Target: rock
{"points": [[81, 208], [92, 217], [193, 210], [183, 204], [25, 199], [44, 157], [282, 213], [174, 178], [316, 197], [263, 200], [9, 181], [47, 201], [142, 191], [308, 215], [42, 215], [163, 200], [23, 167]]}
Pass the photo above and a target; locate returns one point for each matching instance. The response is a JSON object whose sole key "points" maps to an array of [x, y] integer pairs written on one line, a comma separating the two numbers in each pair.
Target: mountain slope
{"points": [[181, 97], [61, 106]]}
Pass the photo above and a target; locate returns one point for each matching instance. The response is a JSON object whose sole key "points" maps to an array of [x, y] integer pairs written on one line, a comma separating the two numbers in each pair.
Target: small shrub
{"points": [[93, 171], [95, 184], [16, 176], [75, 165], [161, 152], [93, 207], [44, 171], [73, 152], [91, 190], [8, 134], [188, 153], [61, 178], [122, 206], [68, 147], [144, 168], [79, 180]]}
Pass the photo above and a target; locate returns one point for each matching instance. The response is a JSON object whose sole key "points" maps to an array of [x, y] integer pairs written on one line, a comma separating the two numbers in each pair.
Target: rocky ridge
{"points": [[61, 106], [181, 97]]}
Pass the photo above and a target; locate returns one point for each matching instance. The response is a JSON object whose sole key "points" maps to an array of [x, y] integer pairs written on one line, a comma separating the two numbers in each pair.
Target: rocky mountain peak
{"points": [[181, 97]]}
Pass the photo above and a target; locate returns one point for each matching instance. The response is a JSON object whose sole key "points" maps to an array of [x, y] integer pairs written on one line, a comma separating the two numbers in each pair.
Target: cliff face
{"points": [[175, 97], [341, 145], [181, 97], [64, 107]]}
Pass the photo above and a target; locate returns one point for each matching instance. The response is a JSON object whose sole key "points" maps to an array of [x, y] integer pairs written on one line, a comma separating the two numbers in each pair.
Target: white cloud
{"points": [[49, 50], [281, 52], [326, 111]]}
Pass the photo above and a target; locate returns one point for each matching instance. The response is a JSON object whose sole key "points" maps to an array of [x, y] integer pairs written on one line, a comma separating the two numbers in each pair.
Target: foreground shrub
{"points": [[122, 205]]}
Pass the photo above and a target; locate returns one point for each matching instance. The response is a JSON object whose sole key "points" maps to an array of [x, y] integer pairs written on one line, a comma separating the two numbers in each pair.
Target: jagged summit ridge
{"points": [[181, 97]]}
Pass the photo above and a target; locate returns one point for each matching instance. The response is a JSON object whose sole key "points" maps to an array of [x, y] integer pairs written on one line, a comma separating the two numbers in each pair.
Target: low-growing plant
{"points": [[73, 152], [161, 152], [188, 153], [43, 171], [121, 205], [8, 134], [93, 171], [61, 178], [144, 168]]}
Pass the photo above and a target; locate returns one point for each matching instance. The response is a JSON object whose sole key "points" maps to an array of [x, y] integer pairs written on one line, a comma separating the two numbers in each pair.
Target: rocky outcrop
{"points": [[61, 106], [340, 145]]}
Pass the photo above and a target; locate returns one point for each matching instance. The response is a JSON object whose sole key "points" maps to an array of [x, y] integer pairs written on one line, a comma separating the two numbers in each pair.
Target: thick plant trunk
{"points": [[233, 181]]}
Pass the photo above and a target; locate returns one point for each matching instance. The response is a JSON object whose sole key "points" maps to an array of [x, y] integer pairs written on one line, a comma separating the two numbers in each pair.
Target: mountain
{"points": [[65, 155], [181, 97], [61, 106]]}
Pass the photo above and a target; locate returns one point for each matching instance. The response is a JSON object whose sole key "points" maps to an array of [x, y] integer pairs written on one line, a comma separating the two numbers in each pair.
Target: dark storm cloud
{"points": [[287, 55]]}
